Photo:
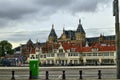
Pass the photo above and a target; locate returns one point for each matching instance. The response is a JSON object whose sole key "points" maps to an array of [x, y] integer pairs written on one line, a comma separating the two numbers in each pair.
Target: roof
{"points": [[32, 51], [52, 32], [92, 40], [30, 42], [48, 47], [107, 48], [80, 28], [110, 37], [70, 34], [17, 48], [68, 46]]}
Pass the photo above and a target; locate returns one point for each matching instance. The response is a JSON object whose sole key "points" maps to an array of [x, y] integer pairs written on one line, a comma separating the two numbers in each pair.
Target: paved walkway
{"points": [[63, 67], [25, 70]]}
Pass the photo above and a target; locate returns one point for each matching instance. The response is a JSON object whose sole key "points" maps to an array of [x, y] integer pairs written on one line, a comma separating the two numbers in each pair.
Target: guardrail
{"points": [[62, 76], [58, 73]]}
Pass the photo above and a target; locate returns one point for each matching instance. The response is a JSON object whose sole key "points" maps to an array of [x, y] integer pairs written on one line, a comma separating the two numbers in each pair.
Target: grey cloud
{"points": [[97, 31], [56, 4], [43, 35], [73, 6], [12, 9], [3, 22], [24, 36], [16, 12], [87, 6], [16, 9]]}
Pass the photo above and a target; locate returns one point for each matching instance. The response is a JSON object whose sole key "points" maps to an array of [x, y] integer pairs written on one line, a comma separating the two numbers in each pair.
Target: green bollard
{"points": [[34, 68]]}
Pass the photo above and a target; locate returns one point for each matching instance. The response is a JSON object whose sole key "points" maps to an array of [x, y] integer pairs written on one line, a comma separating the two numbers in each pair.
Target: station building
{"points": [[73, 48]]}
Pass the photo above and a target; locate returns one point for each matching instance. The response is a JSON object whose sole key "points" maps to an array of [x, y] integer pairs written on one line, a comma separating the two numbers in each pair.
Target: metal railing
{"points": [[56, 75]]}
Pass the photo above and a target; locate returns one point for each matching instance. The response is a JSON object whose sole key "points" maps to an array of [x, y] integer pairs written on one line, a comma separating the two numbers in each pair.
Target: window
{"points": [[44, 56], [52, 55], [100, 54], [76, 54], [73, 54], [60, 50], [32, 57], [60, 55], [72, 50], [83, 54], [41, 56], [70, 61], [94, 54], [55, 50], [68, 54], [36, 56], [106, 54], [111, 53], [37, 51], [48, 61], [52, 62], [48, 55], [94, 49], [89, 54]]}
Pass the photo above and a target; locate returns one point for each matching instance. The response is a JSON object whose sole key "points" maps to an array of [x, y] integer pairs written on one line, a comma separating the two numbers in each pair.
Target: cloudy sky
{"points": [[21, 20]]}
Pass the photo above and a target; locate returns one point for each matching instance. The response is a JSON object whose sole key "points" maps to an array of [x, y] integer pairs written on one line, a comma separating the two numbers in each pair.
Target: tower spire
{"points": [[79, 21], [80, 28], [63, 29], [52, 26], [52, 33]]}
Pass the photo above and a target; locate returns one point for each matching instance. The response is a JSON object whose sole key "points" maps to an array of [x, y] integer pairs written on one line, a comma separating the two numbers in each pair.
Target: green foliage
{"points": [[5, 48]]}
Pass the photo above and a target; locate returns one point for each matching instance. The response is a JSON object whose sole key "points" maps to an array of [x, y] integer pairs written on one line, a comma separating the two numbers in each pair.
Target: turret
{"points": [[52, 36], [80, 34], [63, 36], [101, 38], [29, 45]]}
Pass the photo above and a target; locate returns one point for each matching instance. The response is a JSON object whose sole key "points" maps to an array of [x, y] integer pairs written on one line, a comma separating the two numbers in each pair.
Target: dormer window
{"points": [[32, 57], [72, 50], [60, 50], [37, 50], [103, 45], [36, 56], [94, 49], [54, 50]]}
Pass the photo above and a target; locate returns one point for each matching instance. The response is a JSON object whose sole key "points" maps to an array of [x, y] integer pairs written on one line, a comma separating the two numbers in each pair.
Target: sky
{"points": [[21, 20]]}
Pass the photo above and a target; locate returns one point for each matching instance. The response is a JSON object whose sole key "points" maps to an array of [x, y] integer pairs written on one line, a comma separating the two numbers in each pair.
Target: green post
{"points": [[34, 68]]}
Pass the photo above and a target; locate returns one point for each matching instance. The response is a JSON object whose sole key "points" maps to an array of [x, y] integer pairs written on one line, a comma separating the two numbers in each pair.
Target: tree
{"points": [[5, 48]]}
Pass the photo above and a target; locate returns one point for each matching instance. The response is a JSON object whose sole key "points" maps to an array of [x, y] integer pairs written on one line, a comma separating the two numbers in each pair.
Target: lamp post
{"points": [[116, 14]]}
